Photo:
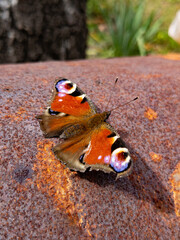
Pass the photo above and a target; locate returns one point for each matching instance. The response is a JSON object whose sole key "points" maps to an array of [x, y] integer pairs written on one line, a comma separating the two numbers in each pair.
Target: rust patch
{"points": [[17, 116], [150, 76], [155, 157], [175, 182], [150, 114], [171, 56], [58, 204], [54, 179]]}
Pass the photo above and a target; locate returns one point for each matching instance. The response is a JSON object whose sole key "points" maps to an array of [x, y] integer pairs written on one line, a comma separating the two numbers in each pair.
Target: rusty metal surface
{"points": [[40, 199]]}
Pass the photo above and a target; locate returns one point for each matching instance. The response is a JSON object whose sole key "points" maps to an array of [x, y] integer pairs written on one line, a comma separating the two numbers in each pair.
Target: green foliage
{"points": [[128, 29], [93, 8], [164, 43]]}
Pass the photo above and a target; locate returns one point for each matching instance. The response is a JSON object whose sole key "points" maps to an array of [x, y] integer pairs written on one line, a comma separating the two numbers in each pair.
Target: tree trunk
{"points": [[42, 30]]}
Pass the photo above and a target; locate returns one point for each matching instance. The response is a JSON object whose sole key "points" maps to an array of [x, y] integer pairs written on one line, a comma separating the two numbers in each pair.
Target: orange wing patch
{"points": [[71, 105], [99, 150]]}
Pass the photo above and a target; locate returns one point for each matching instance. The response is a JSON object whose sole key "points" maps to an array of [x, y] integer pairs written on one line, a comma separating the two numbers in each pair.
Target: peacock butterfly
{"points": [[89, 141]]}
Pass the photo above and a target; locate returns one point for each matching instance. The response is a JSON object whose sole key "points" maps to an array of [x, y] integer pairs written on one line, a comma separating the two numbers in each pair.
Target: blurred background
{"points": [[75, 29]]}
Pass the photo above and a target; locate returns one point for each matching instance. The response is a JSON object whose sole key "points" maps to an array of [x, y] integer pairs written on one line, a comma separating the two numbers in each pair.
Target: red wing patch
{"points": [[70, 105], [70, 99], [107, 148], [99, 149]]}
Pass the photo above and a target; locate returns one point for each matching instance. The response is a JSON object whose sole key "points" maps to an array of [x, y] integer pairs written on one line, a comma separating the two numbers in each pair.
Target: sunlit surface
{"points": [[175, 182], [155, 157], [56, 180], [150, 114]]}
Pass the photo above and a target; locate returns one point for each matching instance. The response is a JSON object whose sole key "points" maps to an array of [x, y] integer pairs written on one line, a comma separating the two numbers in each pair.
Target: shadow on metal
{"points": [[143, 184]]}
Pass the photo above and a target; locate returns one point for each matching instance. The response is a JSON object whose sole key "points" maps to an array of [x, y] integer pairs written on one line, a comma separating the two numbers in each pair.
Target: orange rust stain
{"points": [[87, 229], [148, 76], [150, 114], [54, 179], [101, 99], [175, 182], [17, 116], [178, 131], [76, 64], [171, 56], [155, 157], [44, 81]]}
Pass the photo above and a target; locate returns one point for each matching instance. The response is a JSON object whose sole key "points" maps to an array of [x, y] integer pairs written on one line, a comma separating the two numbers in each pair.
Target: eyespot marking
{"points": [[59, 83], [65, 86], [68, 86], [123, 169], [120, 160], [125, 154]]}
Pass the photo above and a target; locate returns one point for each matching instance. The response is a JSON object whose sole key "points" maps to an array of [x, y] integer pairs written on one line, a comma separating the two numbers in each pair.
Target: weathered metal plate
{"points": [[40, 199]]}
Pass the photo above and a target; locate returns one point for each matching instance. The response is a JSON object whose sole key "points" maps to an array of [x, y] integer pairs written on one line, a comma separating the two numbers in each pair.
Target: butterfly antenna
{"points": [[110, 94], [125, 103]]}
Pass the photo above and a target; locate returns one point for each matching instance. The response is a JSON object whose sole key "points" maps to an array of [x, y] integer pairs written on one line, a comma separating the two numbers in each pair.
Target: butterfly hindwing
{"points": [[107, 152], [71, 152], [100, 149]]}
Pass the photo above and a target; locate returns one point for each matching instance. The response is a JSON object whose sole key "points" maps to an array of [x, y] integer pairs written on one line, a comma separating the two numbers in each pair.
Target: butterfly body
{"points": [[89, 141]]}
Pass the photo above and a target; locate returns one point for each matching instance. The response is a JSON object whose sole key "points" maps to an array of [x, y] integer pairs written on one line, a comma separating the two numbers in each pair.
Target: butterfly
{"points": [[89, 141]]}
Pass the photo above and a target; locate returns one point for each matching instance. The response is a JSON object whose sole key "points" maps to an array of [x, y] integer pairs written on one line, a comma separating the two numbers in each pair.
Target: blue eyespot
{"points": [[118, 167], [57, 86]]}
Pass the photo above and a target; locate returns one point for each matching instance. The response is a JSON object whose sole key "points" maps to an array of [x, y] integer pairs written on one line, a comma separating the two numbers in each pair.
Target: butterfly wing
{"points": [[71, 152], [69, 105], [108, 152], [101, 149], [94, 146]]}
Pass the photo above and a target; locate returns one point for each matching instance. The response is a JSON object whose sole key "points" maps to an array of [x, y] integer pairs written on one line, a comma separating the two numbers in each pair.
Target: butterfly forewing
{"points": [[70, 99], [69, 105]]}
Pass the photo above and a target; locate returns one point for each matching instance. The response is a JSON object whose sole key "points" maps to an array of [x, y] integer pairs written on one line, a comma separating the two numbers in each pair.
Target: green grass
{"points": [[125, 28]]}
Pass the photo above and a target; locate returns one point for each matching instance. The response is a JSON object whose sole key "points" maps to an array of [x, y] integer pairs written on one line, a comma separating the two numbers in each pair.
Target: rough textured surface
{"points": [[40, 199], [41, 30]]}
